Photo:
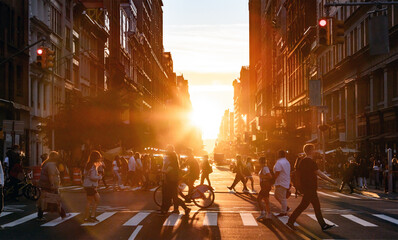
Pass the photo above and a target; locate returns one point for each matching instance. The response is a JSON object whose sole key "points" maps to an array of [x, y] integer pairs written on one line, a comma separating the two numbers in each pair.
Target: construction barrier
{"points": [[76, 176], [66, 176]]}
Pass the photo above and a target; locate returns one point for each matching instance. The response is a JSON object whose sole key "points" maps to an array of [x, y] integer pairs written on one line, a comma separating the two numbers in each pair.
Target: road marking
{"points": [[172, 220], [3, 214], [248, 219], [59, 220], [135, 233], [284, 220], [210, 219], [387, 218], [134, 221], [344, 195], [21, 220], [358, 220], [329, 195], [327, 221], [101, 218]]}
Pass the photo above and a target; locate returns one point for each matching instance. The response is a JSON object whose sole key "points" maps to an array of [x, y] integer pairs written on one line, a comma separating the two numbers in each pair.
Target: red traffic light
{"points": [[39, 51], [323, 22]]}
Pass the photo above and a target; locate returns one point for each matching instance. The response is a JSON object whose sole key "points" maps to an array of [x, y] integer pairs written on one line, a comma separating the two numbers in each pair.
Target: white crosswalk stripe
{"points": [[134, 221], [135, 233], [210, 219], [21, 220], [102, 217], [284, 220], [358, 220], [59, 220], [173, 220], [327, 221], [347, 196], [328, 195], [387, 218], [248, 219], [3, 214]]}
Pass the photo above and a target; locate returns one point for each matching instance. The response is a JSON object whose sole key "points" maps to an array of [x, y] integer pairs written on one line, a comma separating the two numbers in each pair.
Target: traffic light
{"points": [[338, 31], [324, 31], [41, 57], [50, 56]]}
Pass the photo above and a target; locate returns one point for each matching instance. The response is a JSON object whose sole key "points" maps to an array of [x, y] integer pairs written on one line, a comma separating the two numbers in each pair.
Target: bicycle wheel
{"points": [[32, 192], [203, 196], [157, 196]]}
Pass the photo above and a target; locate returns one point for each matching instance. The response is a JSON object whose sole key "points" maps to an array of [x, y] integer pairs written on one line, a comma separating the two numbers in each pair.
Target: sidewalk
{"points": [[376, 193]]}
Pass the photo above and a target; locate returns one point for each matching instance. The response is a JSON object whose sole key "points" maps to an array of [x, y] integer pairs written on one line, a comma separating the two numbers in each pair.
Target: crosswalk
{"points": [[209, 218]]}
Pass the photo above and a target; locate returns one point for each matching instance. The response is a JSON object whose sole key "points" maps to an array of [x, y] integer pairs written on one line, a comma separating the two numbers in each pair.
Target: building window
{"points": [[395, 82], [67, 69], [67, 9], [55, 20], [67, 38], [57, 60], [19, 81], [76, 76]]}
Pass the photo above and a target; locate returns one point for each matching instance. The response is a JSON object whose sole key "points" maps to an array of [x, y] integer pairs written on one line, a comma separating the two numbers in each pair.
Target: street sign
{"points": [[315, 92]]}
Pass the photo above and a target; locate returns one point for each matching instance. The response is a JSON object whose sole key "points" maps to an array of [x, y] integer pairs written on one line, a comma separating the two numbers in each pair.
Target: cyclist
{"points": [[170, 185], [192, 175]]}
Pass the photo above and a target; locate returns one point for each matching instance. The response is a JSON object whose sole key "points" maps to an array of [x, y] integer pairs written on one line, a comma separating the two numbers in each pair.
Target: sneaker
{"points": [[176, 212], [288, 209], [88, 220], [291, 226], [41, 219], [246, 191], [327, 226], [187, 211], [66, 215], [269, 216], [261, 217], [94, 219]]}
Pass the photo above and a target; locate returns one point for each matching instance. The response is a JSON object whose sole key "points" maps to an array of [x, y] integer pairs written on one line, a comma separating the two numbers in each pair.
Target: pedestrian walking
{"points": [[348, 176], [101, 171], [132, 167], [239, 177], [90, 184], [206, 170], [49, 183], [265, 185], [139, 175], [307, 173], [116, 171], [376, 172], [146, 168], [2, 181], [247, 170], [171, 173], [363, 173], [282, 181]]}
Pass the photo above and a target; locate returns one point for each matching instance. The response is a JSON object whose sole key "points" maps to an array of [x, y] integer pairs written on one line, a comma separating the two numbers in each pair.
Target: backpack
{"points": [[295, 176]]}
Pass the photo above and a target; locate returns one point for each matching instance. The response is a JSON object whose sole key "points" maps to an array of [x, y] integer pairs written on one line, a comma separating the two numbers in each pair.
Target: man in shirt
{"points": [[132, 167], [282, 181], [308, 172]]}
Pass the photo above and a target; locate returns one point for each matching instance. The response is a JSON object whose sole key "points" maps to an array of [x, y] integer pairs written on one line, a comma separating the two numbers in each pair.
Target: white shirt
{"points": [[263, 171], [283, 167], [132, 164], [1, 175], [138, 163], [6, 162], [115, 167]]}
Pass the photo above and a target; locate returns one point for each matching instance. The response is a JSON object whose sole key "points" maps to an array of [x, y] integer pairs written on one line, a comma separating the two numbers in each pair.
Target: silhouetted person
{"points": [[239, 177]]}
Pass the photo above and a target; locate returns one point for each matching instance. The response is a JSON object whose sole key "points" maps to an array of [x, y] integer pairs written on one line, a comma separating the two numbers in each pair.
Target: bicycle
{"points": [[25, 188], [202, 195]]}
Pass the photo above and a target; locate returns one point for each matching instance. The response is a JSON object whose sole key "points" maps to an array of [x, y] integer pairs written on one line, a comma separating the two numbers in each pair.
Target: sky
{"points": [[209, 43]]}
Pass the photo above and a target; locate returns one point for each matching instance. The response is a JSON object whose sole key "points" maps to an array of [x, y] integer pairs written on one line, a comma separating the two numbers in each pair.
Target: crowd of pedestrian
{"points": [[360, 172]]}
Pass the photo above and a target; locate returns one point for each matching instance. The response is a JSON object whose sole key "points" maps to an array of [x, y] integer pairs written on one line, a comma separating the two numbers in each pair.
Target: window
{"points": [[67, 38], [57, 60], [19, 81], [55, 20], [395, 82], [76, 76], [67, 69], [67, 9]]}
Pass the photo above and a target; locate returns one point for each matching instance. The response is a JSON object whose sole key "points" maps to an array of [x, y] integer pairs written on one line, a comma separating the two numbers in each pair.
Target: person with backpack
{"points": [[206, 170], [171, 173], [239, 177], [266, 185], [90, 184], [282, 181], [49, 184], [306, 180]]}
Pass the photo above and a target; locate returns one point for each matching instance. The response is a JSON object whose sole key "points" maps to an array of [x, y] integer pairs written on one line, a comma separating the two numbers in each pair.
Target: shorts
{"points": [[264, 192], [90, 191]]}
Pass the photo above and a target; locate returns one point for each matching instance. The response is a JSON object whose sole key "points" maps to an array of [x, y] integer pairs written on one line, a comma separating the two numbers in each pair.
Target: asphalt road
{"points": [[130, 214]]}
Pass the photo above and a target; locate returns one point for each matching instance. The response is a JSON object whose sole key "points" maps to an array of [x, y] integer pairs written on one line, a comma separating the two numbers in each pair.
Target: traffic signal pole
{"points": [[21, 51]]}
